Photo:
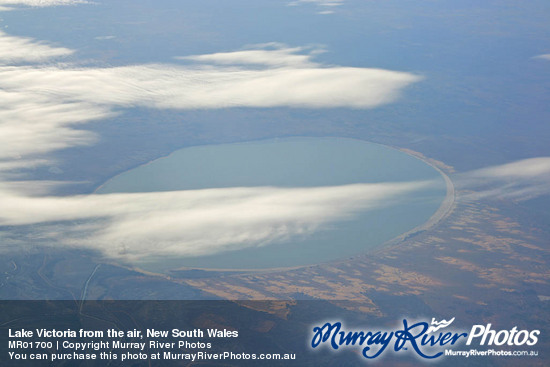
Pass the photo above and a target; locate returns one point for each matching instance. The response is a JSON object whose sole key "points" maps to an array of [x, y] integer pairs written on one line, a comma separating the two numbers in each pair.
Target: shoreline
{"points": [[445, 208]]}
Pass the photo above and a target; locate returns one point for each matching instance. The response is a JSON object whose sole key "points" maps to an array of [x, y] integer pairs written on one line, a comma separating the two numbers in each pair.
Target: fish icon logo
{"points": [[439, 325]]}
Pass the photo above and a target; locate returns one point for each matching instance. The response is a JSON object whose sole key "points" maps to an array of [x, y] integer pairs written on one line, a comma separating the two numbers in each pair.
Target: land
{"points": [[481, 262], [484, 261], [483, 101]]}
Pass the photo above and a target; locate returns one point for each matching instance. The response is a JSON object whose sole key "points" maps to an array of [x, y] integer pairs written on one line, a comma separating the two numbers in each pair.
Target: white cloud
{"points": [[40, 106], [20, 49], [34, 122], [177, 87], [527, 168], [104, 38], [195, 222], [329, 3], [544, 57], [269, 54], [520, 180], [36, 188], [42, 3], [325, 5]]}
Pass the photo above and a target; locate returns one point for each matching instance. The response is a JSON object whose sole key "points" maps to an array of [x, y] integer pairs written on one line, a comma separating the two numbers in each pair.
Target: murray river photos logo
{"points": [[426, 340]]}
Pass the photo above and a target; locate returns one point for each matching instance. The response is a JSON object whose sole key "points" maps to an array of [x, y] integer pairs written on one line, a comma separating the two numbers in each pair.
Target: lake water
{"points": [[295, 162]]}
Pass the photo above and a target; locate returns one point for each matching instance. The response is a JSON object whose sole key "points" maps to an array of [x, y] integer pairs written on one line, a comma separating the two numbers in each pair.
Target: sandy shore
{"points": [[442, 212]]}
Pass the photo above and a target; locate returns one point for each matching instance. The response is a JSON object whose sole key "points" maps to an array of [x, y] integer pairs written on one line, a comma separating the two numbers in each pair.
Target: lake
{"points": [[292, 163]]}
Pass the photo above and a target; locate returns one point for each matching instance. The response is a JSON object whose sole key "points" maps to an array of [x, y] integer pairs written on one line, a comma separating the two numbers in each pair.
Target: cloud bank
{"points": [[193, 222], [41, 106], [177, 87]]}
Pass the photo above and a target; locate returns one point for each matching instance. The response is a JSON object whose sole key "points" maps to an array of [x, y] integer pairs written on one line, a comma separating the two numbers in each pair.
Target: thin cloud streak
{"points": [[329, 3], [22, 49], [520, 180], [39, 3], [270, 54], [326, 5]]}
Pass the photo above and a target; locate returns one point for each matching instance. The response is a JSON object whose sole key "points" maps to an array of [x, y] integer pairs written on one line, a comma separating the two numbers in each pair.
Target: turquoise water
{"points": [[295, 162]]}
